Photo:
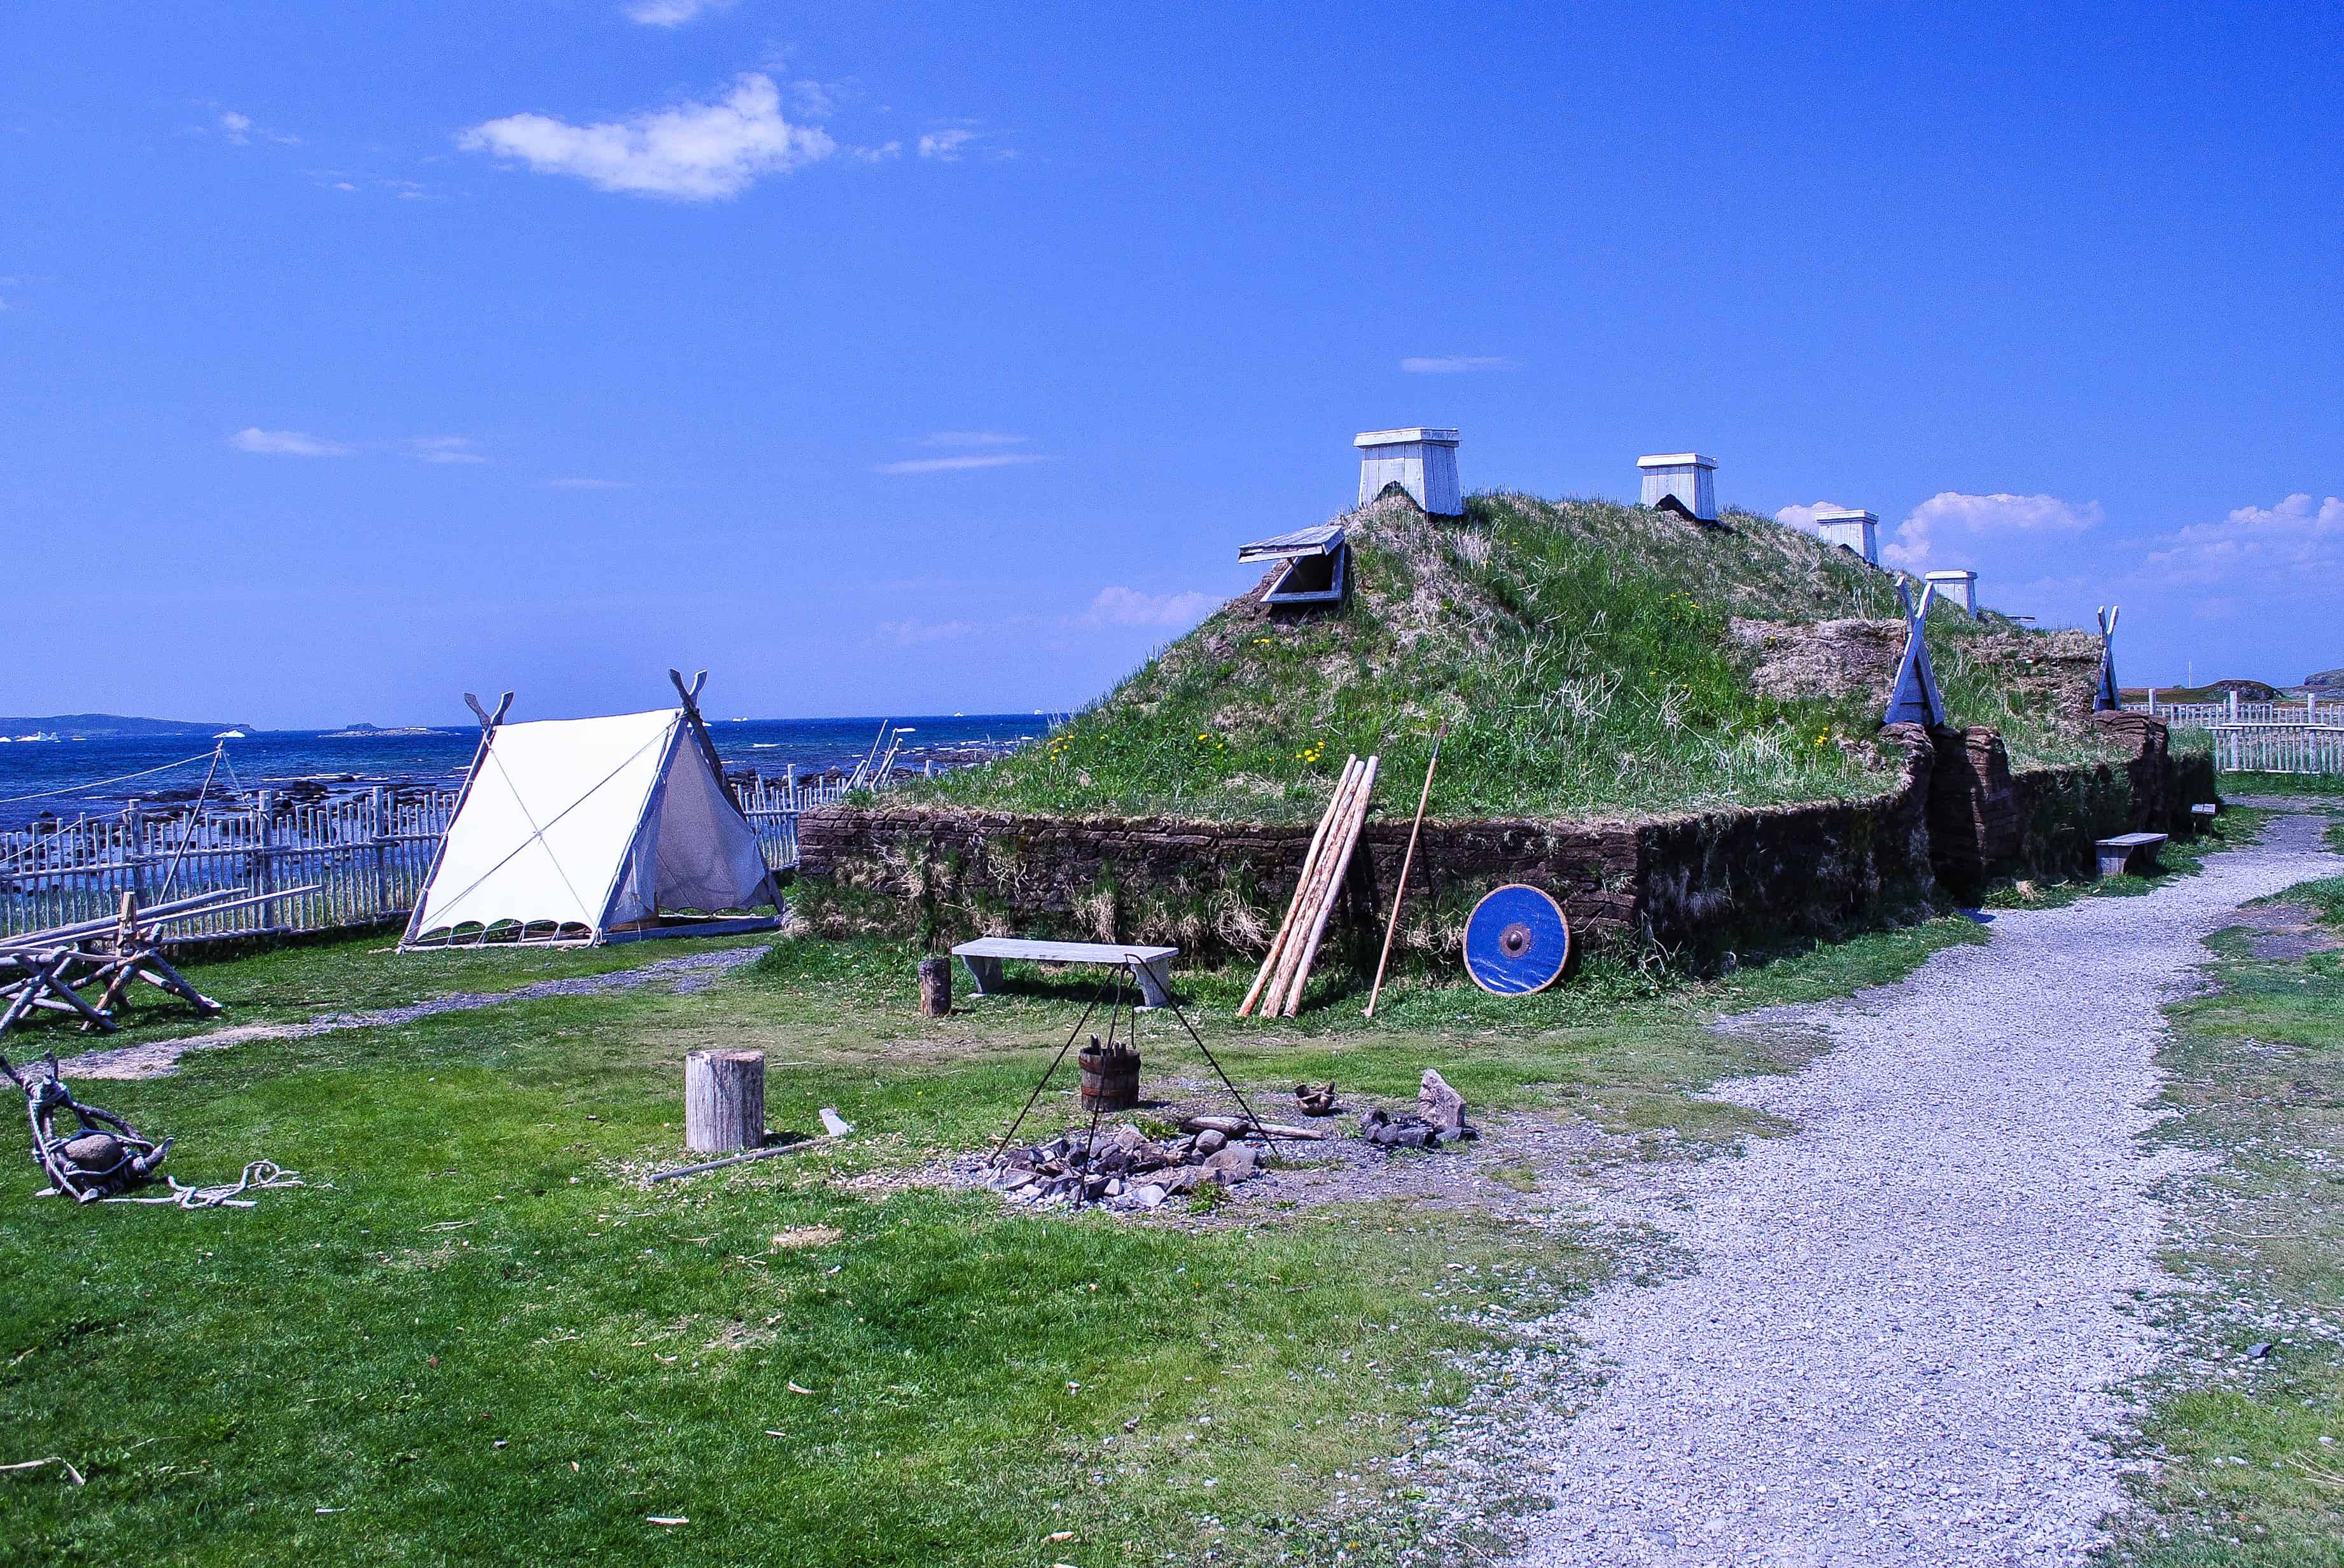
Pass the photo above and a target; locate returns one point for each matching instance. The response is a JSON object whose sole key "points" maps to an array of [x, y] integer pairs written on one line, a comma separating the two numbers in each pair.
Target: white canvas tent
{"points": [[591, 830]]}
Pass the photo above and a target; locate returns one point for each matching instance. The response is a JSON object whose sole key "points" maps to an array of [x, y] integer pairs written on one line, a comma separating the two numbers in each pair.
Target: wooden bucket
{"points": [[1110, 1078]]}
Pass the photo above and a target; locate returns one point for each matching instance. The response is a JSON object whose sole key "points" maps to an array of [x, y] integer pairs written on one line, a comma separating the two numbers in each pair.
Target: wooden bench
{"points": [[2118, 854], [981, 958]]}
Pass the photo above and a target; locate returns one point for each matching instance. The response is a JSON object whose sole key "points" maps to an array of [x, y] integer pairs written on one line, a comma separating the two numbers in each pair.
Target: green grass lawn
{"points": [[2329, 786], [475, 1336], [356, 974], [2252, 1450]]}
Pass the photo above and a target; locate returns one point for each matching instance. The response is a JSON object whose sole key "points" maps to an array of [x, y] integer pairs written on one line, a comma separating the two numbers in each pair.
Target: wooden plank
{"points": [[1285, 932], [1061, 952], [1337, 864]]}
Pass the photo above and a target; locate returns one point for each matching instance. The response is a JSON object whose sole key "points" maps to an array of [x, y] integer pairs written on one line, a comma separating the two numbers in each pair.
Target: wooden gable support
{"points": [[1914, 699], [2104, 697]]}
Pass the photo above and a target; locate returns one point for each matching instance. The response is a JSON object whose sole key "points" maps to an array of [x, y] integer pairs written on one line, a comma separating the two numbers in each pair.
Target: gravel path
{"points": [[1909, 1317], [155, 1058]]}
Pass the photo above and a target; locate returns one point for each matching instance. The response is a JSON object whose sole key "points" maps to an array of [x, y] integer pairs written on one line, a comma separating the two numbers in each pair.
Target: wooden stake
{"points": [[1337, 863], [1309, 860], [1306, 898], [1400, 892]]}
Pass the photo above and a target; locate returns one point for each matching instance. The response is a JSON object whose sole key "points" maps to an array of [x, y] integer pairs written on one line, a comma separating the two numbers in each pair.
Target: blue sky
{"points": [[930, 358]]}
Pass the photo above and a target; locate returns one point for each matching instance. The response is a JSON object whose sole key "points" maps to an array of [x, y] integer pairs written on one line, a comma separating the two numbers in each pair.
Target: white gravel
{"points": [[1911, 1319]]}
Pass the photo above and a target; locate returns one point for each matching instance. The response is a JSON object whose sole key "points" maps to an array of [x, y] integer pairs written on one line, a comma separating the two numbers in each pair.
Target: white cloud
{"points": [[443, 449], [878, 155], [586, 484], [820, 100], [1803, 517], [673, 12], [906, 633], [2269, 544], [239, 130], [285, 444], [1129, 606], [693, 151], [946, 146], [1456, 364], [1949, 519], [968, 460], [972, 439]]}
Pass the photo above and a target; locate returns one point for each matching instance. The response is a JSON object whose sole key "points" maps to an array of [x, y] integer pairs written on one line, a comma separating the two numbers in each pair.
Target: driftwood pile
{"points": [[1286, 968], [49, 970], [97, 1156]]}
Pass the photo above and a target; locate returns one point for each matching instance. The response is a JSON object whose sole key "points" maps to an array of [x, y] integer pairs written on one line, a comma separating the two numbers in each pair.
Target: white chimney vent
{"points": [[1959, 586], [1859, 531], [1420, 459], [1683, 482]]}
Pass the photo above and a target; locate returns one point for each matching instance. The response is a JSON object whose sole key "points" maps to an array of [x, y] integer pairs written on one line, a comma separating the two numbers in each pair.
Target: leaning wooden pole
{"points": [[1306, 896], [1330, 884], [1391, 928], [1309, 860]]}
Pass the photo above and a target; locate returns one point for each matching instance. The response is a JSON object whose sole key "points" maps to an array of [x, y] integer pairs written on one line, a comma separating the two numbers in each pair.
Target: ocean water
{"points": [[71, 778]]}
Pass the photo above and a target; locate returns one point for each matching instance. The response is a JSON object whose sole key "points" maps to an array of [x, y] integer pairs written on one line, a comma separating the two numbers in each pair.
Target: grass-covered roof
{"points": [[1591, 659]]}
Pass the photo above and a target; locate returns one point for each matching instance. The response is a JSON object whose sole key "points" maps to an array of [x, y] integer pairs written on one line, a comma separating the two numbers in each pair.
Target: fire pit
{"points": [[1125, 1168]]}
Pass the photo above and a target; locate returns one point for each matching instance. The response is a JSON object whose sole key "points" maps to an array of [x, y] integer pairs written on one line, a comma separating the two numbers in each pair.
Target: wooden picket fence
{"points": [[367, 856], [2277, 747], [2314, 712]]}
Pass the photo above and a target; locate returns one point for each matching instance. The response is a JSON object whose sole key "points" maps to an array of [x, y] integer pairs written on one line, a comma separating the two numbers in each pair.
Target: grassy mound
{"points": [[1591, 659]]}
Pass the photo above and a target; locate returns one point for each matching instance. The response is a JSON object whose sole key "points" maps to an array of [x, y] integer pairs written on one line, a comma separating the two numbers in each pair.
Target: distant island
{"points": [[377, 732], [115, 727]]}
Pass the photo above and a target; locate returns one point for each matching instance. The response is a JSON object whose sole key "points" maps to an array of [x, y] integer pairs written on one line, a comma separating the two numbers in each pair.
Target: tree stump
{"points": [[723, 1101], [936, 987]]}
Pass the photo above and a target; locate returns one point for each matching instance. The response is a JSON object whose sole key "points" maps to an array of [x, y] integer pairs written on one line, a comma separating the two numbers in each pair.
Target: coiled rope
{"points": [[259, 1175]]}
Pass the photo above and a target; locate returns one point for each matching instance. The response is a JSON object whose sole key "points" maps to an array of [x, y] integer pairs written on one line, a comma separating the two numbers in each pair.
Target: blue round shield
{"points": [[1517, 940]]}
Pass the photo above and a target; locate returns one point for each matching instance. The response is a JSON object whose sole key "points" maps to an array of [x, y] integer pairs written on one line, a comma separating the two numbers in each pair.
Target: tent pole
{"points": [[488, 723], [690, 696]]}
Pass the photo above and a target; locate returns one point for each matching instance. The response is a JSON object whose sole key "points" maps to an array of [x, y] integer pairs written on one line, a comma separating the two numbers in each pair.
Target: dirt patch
{"points": [[1831, 658], [2285, 932], [805, 1236], [1521, 1166], [158, 1058]]}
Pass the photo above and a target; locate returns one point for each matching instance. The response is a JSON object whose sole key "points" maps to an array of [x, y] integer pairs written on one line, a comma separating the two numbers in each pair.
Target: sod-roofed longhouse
{"points": [[1674, 728]]}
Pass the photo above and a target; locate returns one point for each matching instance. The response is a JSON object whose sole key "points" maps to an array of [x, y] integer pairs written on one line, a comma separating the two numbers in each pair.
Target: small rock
{"points": [[1443, 1106], [1211, 1143], [1235, 1162], [1149, 1196], [93, 1152]]}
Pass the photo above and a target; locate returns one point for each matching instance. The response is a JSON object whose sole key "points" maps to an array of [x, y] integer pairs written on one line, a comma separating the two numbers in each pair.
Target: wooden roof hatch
{"points": [[1317, 562]]}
